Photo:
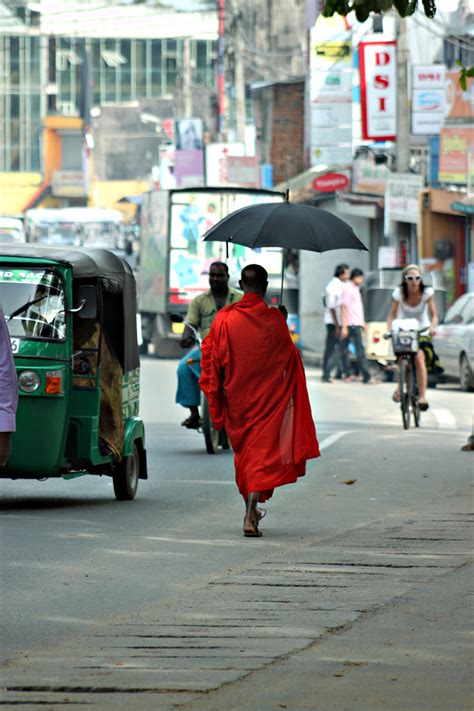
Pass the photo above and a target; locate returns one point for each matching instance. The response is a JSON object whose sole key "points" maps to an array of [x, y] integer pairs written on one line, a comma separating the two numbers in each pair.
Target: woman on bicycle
{"points": [[413, 299]]}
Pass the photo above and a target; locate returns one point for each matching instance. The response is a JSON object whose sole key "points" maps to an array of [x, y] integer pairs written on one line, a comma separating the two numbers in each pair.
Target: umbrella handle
{"points": [[282, 273]]}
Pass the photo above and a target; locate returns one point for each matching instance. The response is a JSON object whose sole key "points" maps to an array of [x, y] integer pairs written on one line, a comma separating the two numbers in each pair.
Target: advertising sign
{"points": [[378, 88], [369, 178], [330, 92], [331, 182], [188, 135], [216, 162], [428, 99], [401, 197], [69, 183], [189, 169], [242, 171], [459, 103], [456, 153], [192, 215]]}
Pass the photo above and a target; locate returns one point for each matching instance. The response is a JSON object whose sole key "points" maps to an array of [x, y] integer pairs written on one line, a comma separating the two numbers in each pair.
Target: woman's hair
{"points": [[403, 284]]}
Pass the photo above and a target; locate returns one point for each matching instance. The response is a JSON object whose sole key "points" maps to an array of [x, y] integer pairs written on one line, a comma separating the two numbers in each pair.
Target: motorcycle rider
{"points": [[200, 316]]}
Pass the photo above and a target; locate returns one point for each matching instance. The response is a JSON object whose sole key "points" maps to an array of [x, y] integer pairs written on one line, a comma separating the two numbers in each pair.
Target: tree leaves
{"points": [[363, 8]]}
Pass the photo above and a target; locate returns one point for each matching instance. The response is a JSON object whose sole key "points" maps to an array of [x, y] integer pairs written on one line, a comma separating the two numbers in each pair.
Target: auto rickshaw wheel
{"points": [[126, 475]]}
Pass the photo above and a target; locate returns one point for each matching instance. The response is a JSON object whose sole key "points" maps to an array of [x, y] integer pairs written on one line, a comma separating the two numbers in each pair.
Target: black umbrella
{"points": [[287, 225]]}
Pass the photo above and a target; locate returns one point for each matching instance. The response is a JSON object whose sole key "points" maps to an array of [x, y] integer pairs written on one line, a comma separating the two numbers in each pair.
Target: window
{"points": [[126, 70], [71, 153], [454, 314], [156, 68], [140, 68], [37, 298]]}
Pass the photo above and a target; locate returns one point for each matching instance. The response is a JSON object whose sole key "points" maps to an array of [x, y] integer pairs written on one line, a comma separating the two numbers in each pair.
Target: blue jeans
{"points": [[189, 392], [355, 337]]}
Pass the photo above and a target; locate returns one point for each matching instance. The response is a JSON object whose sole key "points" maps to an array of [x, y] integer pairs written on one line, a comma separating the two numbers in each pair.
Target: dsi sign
{"points": [[378, 74]]}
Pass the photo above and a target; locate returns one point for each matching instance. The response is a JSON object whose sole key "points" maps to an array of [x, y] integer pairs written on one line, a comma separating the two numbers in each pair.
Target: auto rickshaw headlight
{"points": [[29, 381]]}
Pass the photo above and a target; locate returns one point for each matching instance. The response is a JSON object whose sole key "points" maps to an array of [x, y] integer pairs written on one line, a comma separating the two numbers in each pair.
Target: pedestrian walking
{"points": [[8, 392], [333, 354], [253, 378], [201, 313], [353, 321]]}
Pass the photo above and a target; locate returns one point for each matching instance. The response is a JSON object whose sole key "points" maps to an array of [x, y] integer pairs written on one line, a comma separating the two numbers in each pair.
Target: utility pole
{"points": [[187, 97], [403, 114], [220, 73], [239, 72]]}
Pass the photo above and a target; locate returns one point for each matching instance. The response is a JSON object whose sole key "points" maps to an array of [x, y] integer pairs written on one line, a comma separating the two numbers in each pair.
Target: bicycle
{"points": [[405, 341]]}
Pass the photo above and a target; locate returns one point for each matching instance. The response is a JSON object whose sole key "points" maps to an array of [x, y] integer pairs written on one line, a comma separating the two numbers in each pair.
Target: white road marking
{"points": [[332, 439], [205, 541], [444, 418]]}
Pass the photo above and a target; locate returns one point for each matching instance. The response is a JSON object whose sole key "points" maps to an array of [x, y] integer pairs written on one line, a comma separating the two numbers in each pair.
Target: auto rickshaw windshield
{"points": [[33, 301]]}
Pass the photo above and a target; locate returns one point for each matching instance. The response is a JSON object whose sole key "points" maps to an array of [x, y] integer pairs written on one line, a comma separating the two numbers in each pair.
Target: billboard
{"points": [[427, 99], [330, 92], [216, 162], [456, 154], [189, 156], [378, 90], [192, 215]]}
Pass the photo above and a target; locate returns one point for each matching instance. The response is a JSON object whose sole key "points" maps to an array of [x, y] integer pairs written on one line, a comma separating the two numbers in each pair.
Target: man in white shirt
{"points": [[333, 319]]}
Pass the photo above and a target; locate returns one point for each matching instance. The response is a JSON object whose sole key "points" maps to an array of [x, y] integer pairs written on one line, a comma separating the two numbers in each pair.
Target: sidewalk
{"points": [[415, 654]]}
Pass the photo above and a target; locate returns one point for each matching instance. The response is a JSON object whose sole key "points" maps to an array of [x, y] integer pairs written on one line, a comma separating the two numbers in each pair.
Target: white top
{"points": [[333, 295], [419, 312]]}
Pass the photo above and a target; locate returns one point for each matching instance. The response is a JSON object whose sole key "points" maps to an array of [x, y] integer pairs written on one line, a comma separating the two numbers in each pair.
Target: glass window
{"points": [[14, 60], [35, 302], [71, 152], [140, 68], [156, 67], [454, 314], [34, 68], [126, 70], [468, 311], [109, 68]]}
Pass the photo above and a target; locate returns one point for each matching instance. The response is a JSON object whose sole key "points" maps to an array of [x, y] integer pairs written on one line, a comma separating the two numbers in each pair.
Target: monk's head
{"points": [[254, 280]]}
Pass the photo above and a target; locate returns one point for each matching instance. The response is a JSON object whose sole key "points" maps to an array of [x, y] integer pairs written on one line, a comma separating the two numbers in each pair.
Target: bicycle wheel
{"points": [[415, 405], [211, 436], [405, 391]]}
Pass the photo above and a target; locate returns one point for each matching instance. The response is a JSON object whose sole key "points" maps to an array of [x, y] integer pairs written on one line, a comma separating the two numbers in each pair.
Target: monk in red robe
{"points": [[253, 378]]}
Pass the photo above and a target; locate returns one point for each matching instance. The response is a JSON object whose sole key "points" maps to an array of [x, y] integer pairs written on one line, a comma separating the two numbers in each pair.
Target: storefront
{"points": [[443, 238]]}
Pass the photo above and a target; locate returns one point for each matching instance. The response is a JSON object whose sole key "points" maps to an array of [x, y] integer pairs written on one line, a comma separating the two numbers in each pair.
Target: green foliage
{"points": [[465, 74], [363, 8]]}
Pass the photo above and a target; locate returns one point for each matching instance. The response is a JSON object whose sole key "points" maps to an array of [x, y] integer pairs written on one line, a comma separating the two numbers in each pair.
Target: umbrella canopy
{"points": [[287, 225]]}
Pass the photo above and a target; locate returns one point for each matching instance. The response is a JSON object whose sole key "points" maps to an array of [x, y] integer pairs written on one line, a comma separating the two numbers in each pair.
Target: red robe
{"points": [[253, 378]]}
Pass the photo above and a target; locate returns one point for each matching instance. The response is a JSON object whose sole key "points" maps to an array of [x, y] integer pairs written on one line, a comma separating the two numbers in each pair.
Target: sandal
{"points": [[424, 406], [396, 396], [191, 423]]}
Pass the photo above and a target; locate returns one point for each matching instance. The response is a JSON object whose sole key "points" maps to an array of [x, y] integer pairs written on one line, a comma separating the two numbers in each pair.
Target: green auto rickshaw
{"points": [[71, 316]]}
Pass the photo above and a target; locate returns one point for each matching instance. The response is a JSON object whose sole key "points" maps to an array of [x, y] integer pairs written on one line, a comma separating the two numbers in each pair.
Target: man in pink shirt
{"points": [[353, 320]]}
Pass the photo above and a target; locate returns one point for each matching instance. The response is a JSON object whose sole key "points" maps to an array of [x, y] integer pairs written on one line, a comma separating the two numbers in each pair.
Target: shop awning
{"points": [[466, 207]]}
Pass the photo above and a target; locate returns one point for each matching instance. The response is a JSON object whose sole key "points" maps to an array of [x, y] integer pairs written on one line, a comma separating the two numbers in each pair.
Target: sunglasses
{"points": [[413, 278]]}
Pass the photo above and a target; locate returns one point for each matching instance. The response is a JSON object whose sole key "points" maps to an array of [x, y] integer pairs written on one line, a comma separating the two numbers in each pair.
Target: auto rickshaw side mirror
{"points": [[87, 301]]}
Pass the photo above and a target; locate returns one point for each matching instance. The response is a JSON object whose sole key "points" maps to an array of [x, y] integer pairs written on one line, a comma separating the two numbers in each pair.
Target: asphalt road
{"points": [[356, 596]]}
